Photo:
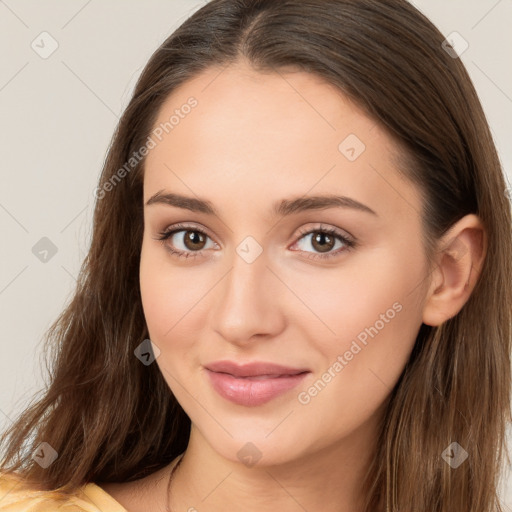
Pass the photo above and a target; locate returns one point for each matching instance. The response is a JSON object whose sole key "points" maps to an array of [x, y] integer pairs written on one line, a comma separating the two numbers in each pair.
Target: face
{"points": [[332, 291]]}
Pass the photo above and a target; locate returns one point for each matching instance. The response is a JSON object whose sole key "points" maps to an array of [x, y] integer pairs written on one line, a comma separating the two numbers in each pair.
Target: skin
{"points": [[254, 139]]}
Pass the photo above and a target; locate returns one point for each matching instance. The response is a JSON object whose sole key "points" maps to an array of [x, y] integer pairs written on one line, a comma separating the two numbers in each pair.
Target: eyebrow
{"points": [[281, 208]]}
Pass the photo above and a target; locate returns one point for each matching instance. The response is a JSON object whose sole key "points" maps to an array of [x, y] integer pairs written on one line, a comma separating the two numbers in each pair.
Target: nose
{"points": [[248, 302]]}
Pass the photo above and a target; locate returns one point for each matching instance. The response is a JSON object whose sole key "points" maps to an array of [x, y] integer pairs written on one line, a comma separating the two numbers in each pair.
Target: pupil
{"points": [[321, 238], [194, 238]]}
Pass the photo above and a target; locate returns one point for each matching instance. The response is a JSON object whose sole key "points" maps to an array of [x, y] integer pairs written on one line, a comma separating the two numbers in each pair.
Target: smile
{"points": [[254, 384]]}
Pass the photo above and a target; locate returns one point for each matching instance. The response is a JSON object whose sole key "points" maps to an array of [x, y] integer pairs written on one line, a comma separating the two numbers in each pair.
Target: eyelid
{"points": [[183, 226], [349, 241], [343, 233], [301, 231]]}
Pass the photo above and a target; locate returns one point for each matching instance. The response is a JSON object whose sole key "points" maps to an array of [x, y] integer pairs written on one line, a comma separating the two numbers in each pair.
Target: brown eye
{"points": [[184, 241], [323, 242], [194, 240]]}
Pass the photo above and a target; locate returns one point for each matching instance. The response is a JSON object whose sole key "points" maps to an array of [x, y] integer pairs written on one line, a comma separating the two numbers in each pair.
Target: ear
{"points": [[458, 263]]}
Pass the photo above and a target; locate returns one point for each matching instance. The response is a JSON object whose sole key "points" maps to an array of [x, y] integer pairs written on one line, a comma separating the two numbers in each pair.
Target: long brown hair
{"points": [[111, 418]]}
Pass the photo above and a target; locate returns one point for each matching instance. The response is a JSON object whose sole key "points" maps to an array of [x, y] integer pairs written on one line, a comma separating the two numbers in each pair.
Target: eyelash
{"points": [[165, 235]]}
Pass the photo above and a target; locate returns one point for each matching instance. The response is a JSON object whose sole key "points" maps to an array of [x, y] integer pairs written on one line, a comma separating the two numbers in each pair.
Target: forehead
{"points": [[291, 105], [248, 130]]}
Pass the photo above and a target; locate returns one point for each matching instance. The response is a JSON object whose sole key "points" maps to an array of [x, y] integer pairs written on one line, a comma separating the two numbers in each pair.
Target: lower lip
{"points": [[252, 391]]}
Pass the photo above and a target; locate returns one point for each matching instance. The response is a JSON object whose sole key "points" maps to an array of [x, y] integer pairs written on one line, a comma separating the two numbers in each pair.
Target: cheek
{"points": [[167, 299], [175, 305], [375, 315], [373, 295], [359, 372], [153, 283], [165, 291]]}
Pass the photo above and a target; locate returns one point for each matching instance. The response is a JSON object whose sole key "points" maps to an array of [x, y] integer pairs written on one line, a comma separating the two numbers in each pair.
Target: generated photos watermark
{"points": [[305, 397], [137, 156]]}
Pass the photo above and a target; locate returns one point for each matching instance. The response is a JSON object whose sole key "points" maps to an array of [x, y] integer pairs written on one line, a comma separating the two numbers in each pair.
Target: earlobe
{"points": [[458, 264]]}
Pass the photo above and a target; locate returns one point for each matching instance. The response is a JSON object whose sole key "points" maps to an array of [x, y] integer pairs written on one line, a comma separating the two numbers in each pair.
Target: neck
{"points": [[327, 480]]}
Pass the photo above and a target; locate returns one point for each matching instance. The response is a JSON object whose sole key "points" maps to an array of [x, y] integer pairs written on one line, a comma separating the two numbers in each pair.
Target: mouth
{"points": [[253, 384], [254, 369]]}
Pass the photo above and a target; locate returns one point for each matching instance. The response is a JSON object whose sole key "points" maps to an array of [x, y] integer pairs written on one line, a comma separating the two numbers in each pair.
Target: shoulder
{"points": [[17, 496]]}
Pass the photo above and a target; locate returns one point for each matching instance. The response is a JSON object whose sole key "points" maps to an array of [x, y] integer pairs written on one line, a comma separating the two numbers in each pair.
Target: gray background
{"points": [[58, 114]]}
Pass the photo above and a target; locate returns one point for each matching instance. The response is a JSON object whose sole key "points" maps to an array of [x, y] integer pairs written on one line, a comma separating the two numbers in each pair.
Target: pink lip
{"points": [[254, 383]]}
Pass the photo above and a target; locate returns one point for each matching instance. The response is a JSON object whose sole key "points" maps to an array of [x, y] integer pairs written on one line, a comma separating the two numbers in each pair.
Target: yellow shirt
{"points": [[88, 498]]}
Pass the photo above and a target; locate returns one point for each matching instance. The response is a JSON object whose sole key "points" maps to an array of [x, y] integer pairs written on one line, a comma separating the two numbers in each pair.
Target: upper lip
{"points": [[253, 369]]}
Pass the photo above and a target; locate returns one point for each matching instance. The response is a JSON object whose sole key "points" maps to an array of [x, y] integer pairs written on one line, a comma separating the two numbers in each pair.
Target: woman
{"points": [[297, 293]]}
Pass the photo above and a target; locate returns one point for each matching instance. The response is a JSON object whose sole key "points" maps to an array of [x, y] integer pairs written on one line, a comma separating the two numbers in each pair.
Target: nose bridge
{"points": [[244, 284], [247, 303]]}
